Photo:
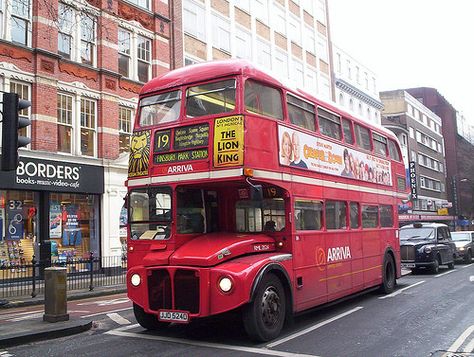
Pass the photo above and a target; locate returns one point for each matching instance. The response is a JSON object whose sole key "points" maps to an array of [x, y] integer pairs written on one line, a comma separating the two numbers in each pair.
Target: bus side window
{"points": [[308, 215], [263, 100]]}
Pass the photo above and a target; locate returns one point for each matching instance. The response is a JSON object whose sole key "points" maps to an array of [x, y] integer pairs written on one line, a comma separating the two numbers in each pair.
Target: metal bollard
{"points": [[55, 295]]}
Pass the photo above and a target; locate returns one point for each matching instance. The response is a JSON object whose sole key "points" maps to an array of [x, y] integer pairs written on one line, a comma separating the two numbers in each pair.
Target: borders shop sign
{"points": [[47, 175]]}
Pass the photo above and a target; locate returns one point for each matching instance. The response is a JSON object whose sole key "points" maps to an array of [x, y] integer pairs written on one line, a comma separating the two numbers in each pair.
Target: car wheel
{"points": [[415, 271], [451, 265], [435, 268], [264, 316], [388, 275], [468, 257], [148, 321]]}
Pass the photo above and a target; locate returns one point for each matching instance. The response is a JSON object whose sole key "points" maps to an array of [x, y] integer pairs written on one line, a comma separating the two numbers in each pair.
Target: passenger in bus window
{"points": [[295, 141], [286, 149], [270, 226], [346, 172]]}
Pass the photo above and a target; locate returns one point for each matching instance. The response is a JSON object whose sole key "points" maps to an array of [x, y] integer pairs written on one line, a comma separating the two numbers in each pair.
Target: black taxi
{"points": [[426, 246]]}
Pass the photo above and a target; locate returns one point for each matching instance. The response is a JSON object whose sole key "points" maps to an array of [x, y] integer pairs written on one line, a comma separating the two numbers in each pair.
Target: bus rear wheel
{"points": [[264, 316], [148, 321], [388, 275]]}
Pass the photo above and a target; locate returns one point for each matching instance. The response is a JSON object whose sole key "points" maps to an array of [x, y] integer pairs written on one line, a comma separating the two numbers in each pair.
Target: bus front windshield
{"points": [[150, 213]]}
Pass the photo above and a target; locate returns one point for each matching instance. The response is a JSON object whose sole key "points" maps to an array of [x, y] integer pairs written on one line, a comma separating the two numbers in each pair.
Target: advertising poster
{"points": [[139, 154], [229, 141], [301, 150], [72, 235], [55, 220], [15, 219]]}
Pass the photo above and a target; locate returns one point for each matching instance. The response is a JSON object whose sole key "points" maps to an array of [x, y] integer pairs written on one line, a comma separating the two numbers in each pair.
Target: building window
{"points": [[279, 19], [88, 127], [134, 64], [310, 44], [143, 59], [76, 35], [295, 30], [23, 91], [322, 49], [125, 128], [243, 48], [124, 42], [221, 33], [141, 3], [65, 123], [20, 21], [194, 18], [264, 54]]}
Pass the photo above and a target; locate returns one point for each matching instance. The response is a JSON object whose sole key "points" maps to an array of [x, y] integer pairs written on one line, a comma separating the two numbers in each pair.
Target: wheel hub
{"points": [[270, 307]]}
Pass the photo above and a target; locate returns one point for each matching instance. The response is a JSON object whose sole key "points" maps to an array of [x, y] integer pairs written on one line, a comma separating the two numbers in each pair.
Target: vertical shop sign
{"points": [[413, 186], [229, 141], [55, 220], [72, 235], [15, 219]]}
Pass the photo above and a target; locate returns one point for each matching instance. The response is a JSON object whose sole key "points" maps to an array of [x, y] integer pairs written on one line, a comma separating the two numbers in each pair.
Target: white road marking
{"points": [[27, 317], [312, 328], [454, 347], [5, 354], [106, 302], [470, 347], [401, 290], [467, 266], [17, 314], [118, 319], [106, 312], [471, 278], [448, 272], [260, 351]]}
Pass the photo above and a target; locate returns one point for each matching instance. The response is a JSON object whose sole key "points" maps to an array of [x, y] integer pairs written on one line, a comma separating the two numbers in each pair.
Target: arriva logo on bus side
{"points": [[338, 253]]}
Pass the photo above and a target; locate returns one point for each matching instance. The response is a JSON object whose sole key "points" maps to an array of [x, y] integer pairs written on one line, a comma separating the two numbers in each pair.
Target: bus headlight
{"points": [[135, 279], [225, 284]]}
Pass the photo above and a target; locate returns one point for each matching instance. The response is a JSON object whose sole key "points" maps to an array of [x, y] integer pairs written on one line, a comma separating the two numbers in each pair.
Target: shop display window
{"points": [[18, 228], [73, 225]]}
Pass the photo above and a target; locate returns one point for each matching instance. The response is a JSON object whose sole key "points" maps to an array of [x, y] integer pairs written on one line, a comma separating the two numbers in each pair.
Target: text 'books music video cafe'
{"points": [[49, 209]]}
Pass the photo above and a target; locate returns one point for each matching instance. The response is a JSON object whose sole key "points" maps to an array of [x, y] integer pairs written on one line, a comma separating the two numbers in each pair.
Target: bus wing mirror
{"points": [[256, 193]]}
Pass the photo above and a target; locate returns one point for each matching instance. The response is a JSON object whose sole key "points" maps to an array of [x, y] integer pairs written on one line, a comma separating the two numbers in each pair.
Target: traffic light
{"points": [[12, 122]]}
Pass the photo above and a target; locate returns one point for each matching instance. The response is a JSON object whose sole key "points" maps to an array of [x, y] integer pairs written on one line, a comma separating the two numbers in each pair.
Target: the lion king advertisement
{"points": [[139, 154]]}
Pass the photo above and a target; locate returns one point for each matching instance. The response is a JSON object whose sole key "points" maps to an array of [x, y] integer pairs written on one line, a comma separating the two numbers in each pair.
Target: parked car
{"points": [[464, 241], [426, 246]]}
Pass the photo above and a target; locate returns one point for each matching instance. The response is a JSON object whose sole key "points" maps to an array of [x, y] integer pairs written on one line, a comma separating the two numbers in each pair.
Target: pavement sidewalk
{"points": [[35, 329]]}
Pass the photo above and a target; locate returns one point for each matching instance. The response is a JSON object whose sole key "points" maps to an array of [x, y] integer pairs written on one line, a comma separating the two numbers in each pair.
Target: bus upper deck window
{"points": [[210, 98], [161, 108], [301, 113], [263, 100], [329, 124]]}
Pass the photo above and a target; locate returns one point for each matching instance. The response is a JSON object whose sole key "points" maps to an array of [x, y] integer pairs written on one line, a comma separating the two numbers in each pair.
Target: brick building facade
{"points": [[81, 64]]}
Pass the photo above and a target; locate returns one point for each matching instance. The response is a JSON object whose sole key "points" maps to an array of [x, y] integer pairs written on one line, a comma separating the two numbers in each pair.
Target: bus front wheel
{"points": [[264, 316], [148, 321]]}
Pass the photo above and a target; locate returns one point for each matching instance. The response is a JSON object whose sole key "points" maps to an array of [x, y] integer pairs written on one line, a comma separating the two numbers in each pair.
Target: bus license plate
{"points": [[174, 316], [408, 265]]}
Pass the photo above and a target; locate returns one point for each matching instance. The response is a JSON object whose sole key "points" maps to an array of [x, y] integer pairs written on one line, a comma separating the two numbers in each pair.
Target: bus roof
{"points": [[216, 69], [205, 71]]}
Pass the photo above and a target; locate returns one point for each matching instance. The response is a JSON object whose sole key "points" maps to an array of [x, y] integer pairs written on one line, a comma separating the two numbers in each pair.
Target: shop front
{"points": [[51, 210]]}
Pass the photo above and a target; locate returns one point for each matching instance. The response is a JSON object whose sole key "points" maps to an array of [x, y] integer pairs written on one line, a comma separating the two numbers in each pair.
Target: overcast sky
{"points": [[411, 43]]}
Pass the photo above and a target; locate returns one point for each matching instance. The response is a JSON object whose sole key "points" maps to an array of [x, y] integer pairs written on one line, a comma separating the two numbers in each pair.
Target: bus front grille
{"points": [[185, 284], [407, 252]]}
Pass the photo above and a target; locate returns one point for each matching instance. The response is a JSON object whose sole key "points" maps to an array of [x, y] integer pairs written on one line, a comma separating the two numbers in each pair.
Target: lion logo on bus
{"points": [[139, 154]]}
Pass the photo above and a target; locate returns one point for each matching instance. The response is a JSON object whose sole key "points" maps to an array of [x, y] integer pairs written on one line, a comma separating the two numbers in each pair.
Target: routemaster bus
{"points": [[246, 194]]}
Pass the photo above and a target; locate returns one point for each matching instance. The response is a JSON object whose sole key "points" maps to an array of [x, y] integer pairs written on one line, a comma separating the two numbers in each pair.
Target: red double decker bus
{"points": [[246, 194]]}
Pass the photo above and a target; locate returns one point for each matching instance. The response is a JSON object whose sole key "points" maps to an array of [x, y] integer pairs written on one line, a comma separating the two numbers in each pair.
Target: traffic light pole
{"points": [[11, 122]]}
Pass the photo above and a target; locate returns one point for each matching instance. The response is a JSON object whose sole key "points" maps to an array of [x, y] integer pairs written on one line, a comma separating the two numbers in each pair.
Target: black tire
{"points": [[264, 316], [148, 321], [415, 271], [451, 265], [435, 267], [468, 257], [388, 275]]}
